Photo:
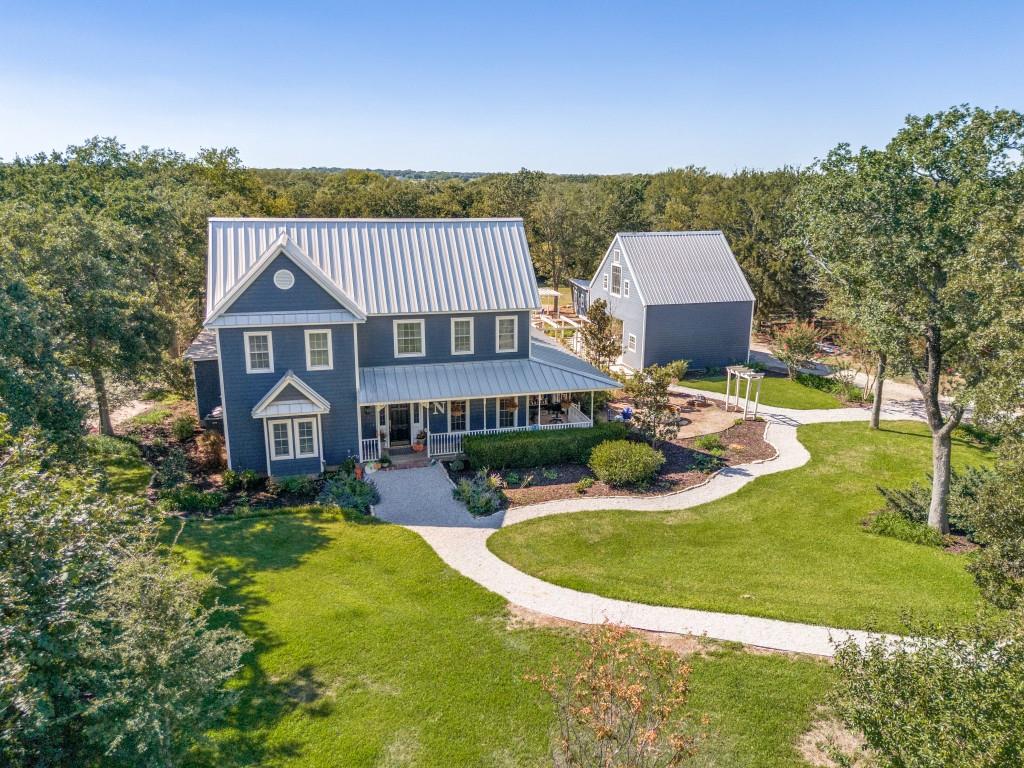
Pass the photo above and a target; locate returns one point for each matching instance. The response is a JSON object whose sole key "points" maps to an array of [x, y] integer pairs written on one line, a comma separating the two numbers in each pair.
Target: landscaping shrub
{"points": [[346, 491], [843, 388], [292, 485], [711, 444], [173, 470], [583, 484], [457, 465], [623, 463], [481, 494], [210, 450], [538, 448], [246, 480], [896, 526], [188, 498], [183, 427]]}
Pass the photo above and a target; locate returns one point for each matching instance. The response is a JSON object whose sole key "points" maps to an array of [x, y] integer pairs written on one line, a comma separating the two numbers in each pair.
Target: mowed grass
{"points": [[121, 462], [775, 391], [786, 546], [371, 652]]}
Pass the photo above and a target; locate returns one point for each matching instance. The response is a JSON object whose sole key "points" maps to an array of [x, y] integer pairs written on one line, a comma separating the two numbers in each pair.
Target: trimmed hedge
{"points": [[539, 448], [622, 462]]}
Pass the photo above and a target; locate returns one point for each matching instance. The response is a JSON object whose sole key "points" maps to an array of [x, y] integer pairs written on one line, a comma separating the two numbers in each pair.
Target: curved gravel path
{"points": [[461, 541]]}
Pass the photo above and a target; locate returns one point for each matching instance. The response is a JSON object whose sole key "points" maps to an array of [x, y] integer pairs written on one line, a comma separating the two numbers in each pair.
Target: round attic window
{"points": [[284, 279]]}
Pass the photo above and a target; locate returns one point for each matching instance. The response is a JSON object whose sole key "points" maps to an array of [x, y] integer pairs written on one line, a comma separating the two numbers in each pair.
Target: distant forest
{"points": [[570, 220]]}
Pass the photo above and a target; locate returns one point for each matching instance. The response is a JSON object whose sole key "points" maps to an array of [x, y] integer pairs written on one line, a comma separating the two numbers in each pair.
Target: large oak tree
{"points": [[921, 241]]}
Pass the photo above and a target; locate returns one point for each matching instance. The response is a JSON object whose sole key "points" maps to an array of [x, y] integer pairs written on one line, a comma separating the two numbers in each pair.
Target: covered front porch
{"points": [[438, 427]]}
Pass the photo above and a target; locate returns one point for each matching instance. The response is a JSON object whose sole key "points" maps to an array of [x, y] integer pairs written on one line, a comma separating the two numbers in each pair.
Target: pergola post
{"points": [[746, 399], [757, 395], [728, 387]]}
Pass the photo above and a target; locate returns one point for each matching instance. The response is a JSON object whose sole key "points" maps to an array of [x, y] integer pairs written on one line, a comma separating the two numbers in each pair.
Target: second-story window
{"points": [[625, 288], [409, 338], [259, 353], [616, 280], [462, 335], [505, 332], [318, 351]]}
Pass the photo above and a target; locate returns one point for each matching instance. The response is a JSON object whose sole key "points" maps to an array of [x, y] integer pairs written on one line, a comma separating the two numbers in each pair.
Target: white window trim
{"points": [[497, 334], [423, 337], [625, 288], [270, 351], [291, 440], [498, 412], [316, 441], [472, 334], [604, 281], [611, 288], [458, 400], [631, 342], [330, 350]]}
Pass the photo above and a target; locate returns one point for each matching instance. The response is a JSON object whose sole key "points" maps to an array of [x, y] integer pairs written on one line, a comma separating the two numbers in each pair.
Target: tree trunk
{"points": [[938, 510], [102, 403], [876, 404]]}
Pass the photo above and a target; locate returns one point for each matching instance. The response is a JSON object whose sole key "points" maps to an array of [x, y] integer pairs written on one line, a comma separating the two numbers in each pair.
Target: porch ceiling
{"points": [[490, 378]]}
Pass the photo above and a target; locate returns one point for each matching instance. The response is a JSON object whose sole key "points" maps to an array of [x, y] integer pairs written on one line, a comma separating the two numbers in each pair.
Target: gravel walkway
{"points": [[423, 503]]}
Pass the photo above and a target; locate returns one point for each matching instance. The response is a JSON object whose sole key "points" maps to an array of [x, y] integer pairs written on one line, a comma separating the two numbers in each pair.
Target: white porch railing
{"points": [[450, 443], [369, 449]]}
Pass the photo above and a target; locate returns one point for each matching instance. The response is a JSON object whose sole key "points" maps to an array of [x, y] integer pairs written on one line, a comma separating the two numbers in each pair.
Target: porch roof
{"points": [[546, 370]]}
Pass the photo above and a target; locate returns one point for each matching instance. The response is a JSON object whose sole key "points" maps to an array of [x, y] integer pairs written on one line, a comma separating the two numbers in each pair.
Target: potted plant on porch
{"points": [[421, 441]]}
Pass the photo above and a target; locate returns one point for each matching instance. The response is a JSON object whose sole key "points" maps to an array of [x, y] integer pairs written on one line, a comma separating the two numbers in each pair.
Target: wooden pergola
{"points": [[550, 293], [741, 373]]}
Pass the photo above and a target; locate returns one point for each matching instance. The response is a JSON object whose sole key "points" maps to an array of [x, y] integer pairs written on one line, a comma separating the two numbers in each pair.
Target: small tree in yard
{"points": [[601, 339], [942, 700], [621, 704], [649, 390], [795, 345]]}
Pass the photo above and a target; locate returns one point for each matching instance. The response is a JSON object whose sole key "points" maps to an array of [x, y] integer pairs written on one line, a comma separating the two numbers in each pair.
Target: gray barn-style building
{"points": [[678, 295]]}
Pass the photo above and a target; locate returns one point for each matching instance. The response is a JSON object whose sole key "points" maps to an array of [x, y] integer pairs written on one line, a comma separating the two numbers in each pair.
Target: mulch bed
{"points": [[685, 466]]}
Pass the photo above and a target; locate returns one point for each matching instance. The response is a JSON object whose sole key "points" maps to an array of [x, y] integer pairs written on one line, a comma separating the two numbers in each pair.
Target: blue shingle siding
{"points": [[629, 309], [377, 342], [243, 390], [305, 466], [264, 296], [369, 417], [438, 421], [207, 378], [708, 335]]}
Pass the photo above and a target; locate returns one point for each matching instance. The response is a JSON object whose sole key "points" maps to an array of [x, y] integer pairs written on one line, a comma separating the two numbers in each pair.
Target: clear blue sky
{"points": [[555, 86]]}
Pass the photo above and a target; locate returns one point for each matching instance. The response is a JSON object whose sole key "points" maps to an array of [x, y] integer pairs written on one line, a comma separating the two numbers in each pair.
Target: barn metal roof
{"points": [[684, 267], [546, 370], [388, 266]]}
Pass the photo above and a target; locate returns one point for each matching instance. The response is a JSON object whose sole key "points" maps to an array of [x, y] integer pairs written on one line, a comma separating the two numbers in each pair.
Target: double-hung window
{"points": [[458, 413], [507, 407], [259, 352], [409, 338], [631, 343], [625, 288], [616, 289], [318, 350], [281, 440], [506, 335], [462, 335], [305, 438]]}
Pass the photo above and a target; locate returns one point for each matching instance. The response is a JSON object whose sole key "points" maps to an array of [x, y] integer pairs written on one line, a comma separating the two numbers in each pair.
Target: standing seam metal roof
{"points": [[390, 266], [684, 267]]}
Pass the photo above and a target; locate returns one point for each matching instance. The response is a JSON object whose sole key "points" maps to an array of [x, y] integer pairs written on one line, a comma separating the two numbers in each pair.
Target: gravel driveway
{"points": [[423, 497]]}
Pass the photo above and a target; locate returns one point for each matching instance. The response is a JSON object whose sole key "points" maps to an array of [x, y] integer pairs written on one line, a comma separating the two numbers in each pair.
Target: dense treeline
{"points": [[102, 248]]}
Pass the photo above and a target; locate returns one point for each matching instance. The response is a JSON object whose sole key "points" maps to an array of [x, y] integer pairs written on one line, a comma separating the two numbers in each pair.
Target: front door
{"points": [[400, 433]]}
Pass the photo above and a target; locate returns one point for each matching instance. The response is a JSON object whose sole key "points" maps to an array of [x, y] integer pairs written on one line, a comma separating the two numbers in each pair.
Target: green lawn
{"points": [[121, 462], [775, 391], [371, 652], [787, 546]]}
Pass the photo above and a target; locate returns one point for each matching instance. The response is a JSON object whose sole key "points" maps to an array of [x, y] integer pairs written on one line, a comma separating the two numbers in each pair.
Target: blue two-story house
{"points": [[326, 339]]}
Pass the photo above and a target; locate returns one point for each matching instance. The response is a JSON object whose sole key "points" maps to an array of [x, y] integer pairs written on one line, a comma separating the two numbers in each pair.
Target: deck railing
{"points": [[450, 443], [369, 449]]}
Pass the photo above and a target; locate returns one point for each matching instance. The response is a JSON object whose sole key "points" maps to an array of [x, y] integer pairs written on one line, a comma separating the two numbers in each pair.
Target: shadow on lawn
{"points": [[235, 551]]}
